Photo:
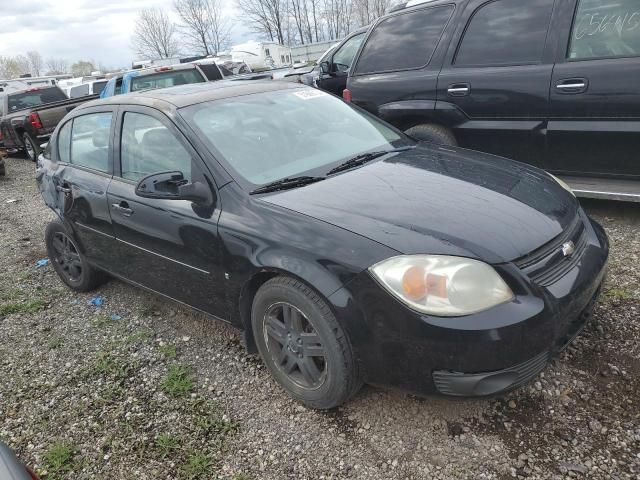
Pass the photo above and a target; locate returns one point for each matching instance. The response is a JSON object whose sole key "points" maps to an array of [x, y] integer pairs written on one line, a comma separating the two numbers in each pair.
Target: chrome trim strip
{"points": [[166, 258], [94, 230]]}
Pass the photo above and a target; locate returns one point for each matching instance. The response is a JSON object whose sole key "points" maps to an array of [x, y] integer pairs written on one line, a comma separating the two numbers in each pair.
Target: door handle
{"points": [[573, 85], [122, 208], [459, 89]]}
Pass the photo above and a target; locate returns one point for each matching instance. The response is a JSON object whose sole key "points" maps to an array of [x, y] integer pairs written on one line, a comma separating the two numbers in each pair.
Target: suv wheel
{"points": [[431, 133], [302, 344], [30, 147], [68, 262]]}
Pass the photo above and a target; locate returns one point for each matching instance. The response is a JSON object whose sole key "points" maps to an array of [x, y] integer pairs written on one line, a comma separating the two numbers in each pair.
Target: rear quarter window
{"points": [[166, 79], [605, 29], [35, 97], [404, 41]]}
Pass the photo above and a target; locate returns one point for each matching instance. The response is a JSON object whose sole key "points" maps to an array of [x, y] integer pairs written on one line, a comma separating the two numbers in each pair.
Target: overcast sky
{"points": [[98, 30]]}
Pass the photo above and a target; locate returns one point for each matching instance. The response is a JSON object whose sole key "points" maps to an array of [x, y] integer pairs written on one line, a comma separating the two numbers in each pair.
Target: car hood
{"points": [[441, 200]]}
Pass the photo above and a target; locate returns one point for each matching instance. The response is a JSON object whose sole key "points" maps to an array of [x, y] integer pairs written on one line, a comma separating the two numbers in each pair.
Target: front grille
{"points": [[548, 264]]}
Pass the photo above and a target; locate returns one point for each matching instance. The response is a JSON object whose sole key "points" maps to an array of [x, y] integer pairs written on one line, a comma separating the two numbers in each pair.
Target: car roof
{"points": [[193, 93]]}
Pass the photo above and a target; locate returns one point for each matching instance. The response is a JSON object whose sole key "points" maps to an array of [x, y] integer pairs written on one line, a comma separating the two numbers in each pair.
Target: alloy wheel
{"points": [[28, 146], [295, 346], [67, 257]]}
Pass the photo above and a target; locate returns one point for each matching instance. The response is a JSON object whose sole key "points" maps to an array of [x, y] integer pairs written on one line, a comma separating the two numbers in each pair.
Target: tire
{"points": [[68, 262], [432, 134], [313, 359], [3, 169], [30, 147]]}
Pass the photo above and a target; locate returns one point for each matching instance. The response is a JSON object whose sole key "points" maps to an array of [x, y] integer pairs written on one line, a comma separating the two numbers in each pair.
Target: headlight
{"points": [[562, 184], [442, 285]]}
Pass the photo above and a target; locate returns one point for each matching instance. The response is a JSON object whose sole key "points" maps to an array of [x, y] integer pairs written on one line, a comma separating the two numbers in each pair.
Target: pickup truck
{"points": [[29, 117]]}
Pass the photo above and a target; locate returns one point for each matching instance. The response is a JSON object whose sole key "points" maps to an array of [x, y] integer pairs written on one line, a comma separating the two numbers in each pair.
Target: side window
{"points": [[506, 32], [605, 28], [90, 141], [147, 147], [344, 56], [404, 41], [64, 142]]}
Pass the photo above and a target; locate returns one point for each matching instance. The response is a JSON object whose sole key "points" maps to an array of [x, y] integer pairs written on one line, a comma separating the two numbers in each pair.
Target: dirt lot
{"points": [[144, 389]]}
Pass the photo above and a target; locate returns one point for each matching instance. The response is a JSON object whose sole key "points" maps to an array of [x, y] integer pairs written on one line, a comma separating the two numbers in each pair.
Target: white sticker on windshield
{"points": [[310, 93]]}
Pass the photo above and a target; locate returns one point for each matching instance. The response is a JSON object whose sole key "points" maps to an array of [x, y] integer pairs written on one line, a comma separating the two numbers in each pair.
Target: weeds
{"points": [[58, 460], [28, 307], [169, 351], [198, 465], [178, 382], [167, 444]]}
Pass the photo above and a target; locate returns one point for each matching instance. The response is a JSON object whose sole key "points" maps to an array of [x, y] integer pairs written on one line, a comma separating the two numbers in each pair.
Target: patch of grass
{"points": [[138, 337], [107, 364], [29, 307], [217, 425], [617, 294], [169, 351], [178, 382], [198, 465], [58, 460], [55, 343], [167, 444], [102, 321], [11, 294]]}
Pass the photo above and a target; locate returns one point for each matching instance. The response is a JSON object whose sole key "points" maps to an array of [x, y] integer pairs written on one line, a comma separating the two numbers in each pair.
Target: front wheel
{"points": [[30, 147], [303, 345], [432, 133], [68, 262]]}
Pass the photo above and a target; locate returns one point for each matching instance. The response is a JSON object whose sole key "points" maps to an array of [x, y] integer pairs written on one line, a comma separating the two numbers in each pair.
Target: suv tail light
{"points": [[346, 95], [34, 120]]}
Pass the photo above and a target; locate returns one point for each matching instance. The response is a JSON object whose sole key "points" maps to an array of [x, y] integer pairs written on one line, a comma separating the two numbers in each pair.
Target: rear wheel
{"points": [[432, 133], [30, 147], [68, 262], [302, 344]]}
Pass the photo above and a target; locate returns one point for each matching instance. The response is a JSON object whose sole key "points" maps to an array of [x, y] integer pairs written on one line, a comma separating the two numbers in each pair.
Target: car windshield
{"points": [[166, 79], [33, 98], [269, 136]]}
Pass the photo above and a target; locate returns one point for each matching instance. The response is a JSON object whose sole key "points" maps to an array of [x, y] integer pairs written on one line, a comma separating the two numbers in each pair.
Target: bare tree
{"points": [[82, 68], [35, 62], [338, 17], [154, 34], [57, 66], [205, 27], [366, 11], [269, 17]]}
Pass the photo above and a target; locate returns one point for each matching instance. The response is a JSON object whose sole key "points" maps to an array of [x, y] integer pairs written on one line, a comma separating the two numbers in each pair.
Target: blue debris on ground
{"points": [[42, 263], [96, 302], [115, 317]]}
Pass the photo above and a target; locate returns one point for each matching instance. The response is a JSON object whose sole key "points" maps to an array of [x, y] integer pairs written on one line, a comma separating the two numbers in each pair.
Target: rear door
{"points": [[594, 125], [169, 246], [494, 86], [80, 178]]}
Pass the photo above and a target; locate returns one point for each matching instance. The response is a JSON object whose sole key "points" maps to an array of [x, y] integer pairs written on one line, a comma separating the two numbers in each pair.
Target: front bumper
{"points": [[480, 354]]}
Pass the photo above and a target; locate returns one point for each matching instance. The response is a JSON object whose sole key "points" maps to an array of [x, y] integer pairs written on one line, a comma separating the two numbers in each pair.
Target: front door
{"points": [[594, 124], [169, 246], [496, 78], [336, 80]]}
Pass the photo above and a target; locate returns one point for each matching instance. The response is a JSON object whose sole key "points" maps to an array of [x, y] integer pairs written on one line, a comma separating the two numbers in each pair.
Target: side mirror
{"points": [[173, 186], [325, 67]]}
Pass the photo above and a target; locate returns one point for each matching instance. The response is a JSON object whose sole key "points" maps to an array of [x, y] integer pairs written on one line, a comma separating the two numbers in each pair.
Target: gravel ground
{"points": [[145, 389]]}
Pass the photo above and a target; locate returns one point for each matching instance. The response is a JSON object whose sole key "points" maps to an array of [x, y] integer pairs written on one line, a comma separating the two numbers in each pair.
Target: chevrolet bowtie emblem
{"points": [[568, 249]]}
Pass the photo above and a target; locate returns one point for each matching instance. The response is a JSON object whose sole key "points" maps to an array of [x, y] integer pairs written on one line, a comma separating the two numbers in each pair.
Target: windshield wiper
{"points": [[364, 158], [286, 183]]}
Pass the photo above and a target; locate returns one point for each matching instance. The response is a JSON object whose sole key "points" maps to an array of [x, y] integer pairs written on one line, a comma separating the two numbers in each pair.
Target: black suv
{"points": [[553, 83]]}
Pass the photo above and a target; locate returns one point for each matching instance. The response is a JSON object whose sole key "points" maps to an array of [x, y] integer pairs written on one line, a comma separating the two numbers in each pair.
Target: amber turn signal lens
{"points": [[414, 283]]}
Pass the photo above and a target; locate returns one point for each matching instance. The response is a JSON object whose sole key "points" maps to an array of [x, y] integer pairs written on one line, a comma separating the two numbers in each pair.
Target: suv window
{"points": [[166, 79], [79, 91], [605, 29], [404, 41], [147, 147], [90, 141], [506, 32], [344, 55]]}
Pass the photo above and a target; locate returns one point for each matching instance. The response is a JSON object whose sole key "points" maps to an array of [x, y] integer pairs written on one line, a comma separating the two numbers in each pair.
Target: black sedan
{"points": [[345, 251]]}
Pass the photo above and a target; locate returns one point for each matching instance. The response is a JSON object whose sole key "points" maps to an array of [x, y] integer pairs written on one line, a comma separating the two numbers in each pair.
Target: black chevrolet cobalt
{"points": [[345, 251]]}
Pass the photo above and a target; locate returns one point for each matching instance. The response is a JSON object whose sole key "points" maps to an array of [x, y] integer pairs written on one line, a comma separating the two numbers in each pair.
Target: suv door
{"points": [[335, 81], [493, 90], [169, 246], [594, 124]]}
